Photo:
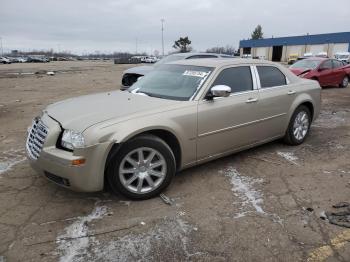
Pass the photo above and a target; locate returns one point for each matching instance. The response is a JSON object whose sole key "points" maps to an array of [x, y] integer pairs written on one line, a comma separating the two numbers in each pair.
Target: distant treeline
{"points": [[227, 50], [51, 53]]}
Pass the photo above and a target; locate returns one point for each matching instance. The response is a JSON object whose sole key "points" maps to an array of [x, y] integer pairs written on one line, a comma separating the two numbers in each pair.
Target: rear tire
{"points": [[344, 82], [299, 126], [142, 168]]}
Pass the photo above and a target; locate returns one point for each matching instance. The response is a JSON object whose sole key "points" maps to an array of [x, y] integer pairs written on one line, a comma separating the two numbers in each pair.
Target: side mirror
{"points": [[220, 91]]}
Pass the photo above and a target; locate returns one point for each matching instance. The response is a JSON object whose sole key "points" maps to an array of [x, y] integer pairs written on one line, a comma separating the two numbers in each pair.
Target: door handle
{"points": [[291, 92], [251, 100]]}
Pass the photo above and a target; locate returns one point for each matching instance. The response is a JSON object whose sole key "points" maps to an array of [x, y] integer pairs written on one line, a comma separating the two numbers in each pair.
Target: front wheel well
{"points": [[171, 140], [165, 135]]}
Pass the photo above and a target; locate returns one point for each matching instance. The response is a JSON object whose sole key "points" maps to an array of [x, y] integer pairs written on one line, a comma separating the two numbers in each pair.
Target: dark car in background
{"points": [[38, 59], [328, 72], [131, 75]]}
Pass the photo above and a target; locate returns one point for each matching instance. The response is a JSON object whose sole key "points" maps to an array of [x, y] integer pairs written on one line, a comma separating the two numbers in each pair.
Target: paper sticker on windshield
{"points": [[195, 73]]}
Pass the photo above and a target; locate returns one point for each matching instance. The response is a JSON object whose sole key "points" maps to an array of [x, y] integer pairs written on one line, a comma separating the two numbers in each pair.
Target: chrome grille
{"points": [[36, 137]]}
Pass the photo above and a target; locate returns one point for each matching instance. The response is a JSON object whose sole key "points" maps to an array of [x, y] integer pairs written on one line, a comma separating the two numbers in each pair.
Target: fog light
{"points": [[78, 162]]}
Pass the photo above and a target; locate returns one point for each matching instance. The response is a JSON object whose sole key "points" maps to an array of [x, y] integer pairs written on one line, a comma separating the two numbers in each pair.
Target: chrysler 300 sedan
{"points": [[179, 115]]}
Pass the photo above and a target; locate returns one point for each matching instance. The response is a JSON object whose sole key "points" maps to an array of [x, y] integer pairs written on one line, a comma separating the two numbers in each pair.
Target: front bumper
{"points": [[56, 164]]}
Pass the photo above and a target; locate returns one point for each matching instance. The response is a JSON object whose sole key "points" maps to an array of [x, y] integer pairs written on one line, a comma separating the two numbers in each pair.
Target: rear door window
{"points": [[238, 78], [337, 64], [327, 64], [271, 76]]}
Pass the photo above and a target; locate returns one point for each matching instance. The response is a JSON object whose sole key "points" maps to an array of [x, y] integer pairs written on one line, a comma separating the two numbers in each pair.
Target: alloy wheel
{"points": [[142, 170], [301, 125]]}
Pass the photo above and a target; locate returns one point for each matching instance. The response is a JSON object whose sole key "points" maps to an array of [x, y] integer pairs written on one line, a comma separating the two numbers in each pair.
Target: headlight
{"points": [[72, 139]]}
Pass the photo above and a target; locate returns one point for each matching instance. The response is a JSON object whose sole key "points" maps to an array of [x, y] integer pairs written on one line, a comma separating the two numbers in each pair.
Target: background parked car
{"points": [[343, 56], [38, 59], [131, 75], [5, 60], [328, 72], [292, 58], [322, 54], [151, 59]]}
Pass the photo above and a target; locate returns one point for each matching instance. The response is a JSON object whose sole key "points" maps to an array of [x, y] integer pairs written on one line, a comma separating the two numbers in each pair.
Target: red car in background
{"points": [[328, 72]]}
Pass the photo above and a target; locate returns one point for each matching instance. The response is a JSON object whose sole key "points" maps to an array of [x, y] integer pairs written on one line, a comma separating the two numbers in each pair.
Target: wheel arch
{"points": [[166, 135]]}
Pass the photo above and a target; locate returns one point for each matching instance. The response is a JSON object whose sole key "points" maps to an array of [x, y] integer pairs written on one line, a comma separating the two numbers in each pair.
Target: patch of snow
{"points": [[172, 235], [74, 243], [251, 199], [10, 158], [243, 188], [289, 156]]}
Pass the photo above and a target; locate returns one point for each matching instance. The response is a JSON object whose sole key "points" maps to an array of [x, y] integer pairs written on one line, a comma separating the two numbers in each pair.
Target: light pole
{"points": [[162, 20], [2, 51], [136, 45]]}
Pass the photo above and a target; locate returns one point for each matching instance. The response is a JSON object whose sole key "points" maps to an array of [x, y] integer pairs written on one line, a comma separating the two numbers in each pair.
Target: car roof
{"points": [[218, 62], [317, 58], [193, 54]]}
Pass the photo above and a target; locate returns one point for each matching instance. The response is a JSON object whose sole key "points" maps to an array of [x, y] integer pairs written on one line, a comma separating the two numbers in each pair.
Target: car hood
{"points": [[79, 113], [299, 71], [140, 70]]}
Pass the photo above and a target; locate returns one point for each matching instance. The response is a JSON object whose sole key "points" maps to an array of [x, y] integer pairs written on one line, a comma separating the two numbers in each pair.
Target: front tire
{"points": [[299, 126], [142, 168]]}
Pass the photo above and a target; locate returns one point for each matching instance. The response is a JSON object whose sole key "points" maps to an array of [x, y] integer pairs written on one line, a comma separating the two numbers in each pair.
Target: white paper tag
{"points": [[195, 73]]}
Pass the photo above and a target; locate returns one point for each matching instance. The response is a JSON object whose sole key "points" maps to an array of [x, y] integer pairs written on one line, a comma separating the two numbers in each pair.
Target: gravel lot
{"points": [[262, 204]]}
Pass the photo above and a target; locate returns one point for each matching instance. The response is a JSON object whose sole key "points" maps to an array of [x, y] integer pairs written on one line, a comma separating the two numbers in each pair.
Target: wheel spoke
{"points": [[156, 173], [127, 170], [150, 157], [295, 131], [131, 161], [149, 181], [131, 179], [140, 155], [156, 164], [139, 184]]}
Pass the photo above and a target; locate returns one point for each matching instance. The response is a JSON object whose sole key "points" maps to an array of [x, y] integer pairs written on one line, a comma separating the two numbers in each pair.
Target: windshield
{"points": [[306, 64], [169, 58], [175, 82]]}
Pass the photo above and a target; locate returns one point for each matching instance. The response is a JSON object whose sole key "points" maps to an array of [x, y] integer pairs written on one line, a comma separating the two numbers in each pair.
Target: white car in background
{"points": [[150, 59], [322, 54], [343, 56], [5, 60], [131, 75]]}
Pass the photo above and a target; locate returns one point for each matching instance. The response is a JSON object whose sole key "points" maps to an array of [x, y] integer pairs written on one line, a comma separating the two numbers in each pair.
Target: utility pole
{"points": [[136, 46], [2, 51], [162, 20]]}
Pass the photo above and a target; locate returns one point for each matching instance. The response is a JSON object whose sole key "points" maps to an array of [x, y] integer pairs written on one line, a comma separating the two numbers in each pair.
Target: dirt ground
{"points": [[262, 204]]}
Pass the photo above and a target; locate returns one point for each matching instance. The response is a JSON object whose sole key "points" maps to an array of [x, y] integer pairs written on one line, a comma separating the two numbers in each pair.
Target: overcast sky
{"points": [[114, 25]]}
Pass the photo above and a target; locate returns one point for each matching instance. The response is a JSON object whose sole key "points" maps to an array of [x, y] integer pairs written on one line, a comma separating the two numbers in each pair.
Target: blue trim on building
{"points": [[343, 37]]}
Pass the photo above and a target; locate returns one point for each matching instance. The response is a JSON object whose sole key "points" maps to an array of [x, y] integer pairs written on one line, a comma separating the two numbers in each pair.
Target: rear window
{"points": [[271, 76], [202, 56]]}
